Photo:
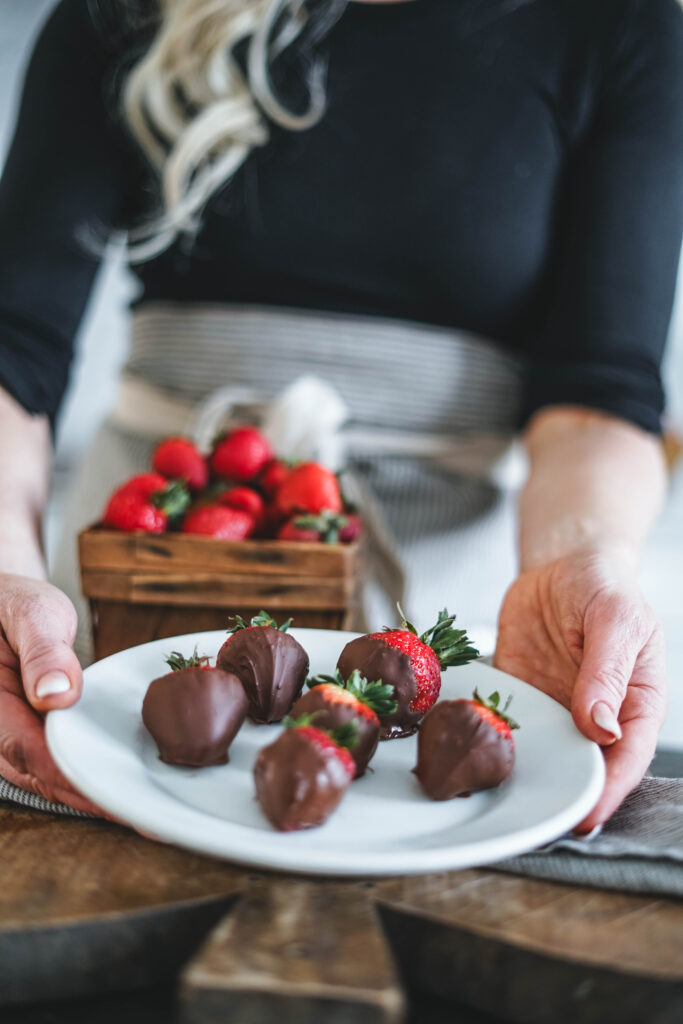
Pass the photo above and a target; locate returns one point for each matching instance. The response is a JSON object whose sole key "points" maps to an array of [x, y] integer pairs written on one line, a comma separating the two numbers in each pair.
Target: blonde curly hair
{"points": [[197, 113]]}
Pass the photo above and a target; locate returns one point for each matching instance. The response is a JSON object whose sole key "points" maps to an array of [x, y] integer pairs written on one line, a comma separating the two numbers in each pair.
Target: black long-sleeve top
{"points": [[513, 168]]}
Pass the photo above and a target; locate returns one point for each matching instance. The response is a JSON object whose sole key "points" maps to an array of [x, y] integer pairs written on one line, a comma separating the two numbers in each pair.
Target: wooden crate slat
{"points": [[222, 591], [120, 624], [173, 552]]}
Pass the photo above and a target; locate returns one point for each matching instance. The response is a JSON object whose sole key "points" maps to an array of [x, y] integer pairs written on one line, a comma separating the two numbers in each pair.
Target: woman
{"points": [[478, 233]]}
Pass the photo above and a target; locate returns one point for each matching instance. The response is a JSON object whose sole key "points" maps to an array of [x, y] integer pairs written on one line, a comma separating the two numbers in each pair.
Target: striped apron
{"points": [[423, 416]]}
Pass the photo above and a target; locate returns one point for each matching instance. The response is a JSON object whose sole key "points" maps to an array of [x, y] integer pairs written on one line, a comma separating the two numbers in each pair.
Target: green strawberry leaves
{"points": [[177, 662], [262, 619], [451, 646], [345, 735], [493, 704], [327, 524], [377, 695]]}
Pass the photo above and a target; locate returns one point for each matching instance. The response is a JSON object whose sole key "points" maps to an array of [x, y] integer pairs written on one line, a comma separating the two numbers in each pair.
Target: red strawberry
{"points": [[464, 746], [332, 701], [142, 505], [302, 777], [273, 476], [143, 484], [291, 531], [246, 499], [325, 528], [179, 459], [309, 488], [219, 522], [352, 529], [329, 743], [241, 455], [411, 663]]}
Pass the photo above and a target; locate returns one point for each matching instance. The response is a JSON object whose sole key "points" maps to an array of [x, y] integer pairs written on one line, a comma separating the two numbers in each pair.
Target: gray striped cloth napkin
{"points": [[640, 849]]}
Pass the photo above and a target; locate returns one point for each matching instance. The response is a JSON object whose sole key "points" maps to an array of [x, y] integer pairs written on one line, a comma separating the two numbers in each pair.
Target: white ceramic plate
{"points": [[384, 825]]}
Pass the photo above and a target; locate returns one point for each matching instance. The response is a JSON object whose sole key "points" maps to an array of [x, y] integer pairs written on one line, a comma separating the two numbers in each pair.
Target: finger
{"points": [[25, 759], [42, 633], [613, 640], [625, 763]]}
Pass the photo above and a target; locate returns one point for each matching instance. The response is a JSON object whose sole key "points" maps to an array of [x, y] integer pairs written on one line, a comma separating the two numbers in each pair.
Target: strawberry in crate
{"points": [[146, 503], [410, 662]]}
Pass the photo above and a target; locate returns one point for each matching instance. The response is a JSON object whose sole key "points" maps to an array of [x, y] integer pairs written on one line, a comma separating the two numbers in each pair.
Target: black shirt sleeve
{"points": [[618, 237], [63, 177]]}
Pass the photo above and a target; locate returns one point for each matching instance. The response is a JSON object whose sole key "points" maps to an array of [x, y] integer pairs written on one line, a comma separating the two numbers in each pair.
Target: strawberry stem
{"points": [[262, 619], [378, 696], [451, 646], [326, 523], [177, 662], [173, 500], [493, 704]]}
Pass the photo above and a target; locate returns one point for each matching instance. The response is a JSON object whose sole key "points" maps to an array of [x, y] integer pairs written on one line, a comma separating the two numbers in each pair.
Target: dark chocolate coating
{"points": [[297, 785], [194, 715], [329, 716], [272, 666], [459, 753], [376, 660]]}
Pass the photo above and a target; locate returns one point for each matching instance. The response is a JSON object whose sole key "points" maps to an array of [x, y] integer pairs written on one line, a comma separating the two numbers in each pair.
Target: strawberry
{"points": [[352, 529], [142, 504], [194, 712], [331, 743], [144, 484], [241, 455], [179, 459], [302, 777], [219, 522], [464, 746], [244, 498], [271, 664], [333, 701], [274, 475], [411, 663], [309, 488], [326, 528]]}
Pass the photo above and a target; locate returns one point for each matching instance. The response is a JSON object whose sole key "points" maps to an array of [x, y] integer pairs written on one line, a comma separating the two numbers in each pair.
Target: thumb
{"points": [[43, 636], [609, 657]]}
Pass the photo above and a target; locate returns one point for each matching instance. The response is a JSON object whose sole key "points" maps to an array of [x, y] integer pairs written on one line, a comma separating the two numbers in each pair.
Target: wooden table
{"points": [[90, 907]]}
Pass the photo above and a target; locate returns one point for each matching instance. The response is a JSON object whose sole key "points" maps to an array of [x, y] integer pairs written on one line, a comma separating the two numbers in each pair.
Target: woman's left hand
{"points": [[580, 630]]}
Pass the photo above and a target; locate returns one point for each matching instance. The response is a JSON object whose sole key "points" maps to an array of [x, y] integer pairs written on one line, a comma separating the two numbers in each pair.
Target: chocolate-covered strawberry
{"points": [[194, 712], [411, 663], [464, 746], [302, 776], [271, 664], [334, 701]]}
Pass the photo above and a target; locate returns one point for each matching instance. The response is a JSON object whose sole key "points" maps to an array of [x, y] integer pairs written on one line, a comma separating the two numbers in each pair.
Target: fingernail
{"points": [[603, 716], [52, 683]]}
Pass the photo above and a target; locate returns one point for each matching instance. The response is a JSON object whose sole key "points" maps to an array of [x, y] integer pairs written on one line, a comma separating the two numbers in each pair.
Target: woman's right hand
{"points": [[38, 673]]}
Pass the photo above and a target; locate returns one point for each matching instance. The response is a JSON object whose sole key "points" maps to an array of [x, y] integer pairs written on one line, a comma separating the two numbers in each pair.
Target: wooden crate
{"points": [[143, 587]]}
